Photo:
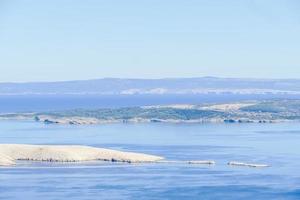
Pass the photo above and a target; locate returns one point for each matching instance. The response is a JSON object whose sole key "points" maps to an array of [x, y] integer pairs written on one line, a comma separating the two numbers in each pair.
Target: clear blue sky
{"points": [[85, 39]]}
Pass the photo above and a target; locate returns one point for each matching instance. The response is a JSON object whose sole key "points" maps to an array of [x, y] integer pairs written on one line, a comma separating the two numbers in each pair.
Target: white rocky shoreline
{"points": [[89, 121], [47, 119]]}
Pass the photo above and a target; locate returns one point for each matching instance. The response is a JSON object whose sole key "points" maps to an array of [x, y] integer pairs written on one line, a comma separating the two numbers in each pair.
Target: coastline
{"points": [[94, 121]]}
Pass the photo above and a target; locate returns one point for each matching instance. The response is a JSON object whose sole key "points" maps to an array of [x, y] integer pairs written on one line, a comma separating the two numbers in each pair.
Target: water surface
{"points": [[275, 144]]}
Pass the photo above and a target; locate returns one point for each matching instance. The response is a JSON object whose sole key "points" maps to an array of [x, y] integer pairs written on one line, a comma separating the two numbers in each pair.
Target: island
{"points": [[268, 111], [10, 153]]}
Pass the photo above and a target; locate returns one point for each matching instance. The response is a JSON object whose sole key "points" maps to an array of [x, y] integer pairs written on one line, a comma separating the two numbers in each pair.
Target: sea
{"points": [[39, 103], [277, 145]]}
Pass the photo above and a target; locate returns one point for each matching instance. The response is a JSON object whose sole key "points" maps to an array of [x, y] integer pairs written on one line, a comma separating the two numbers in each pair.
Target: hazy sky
{"points": [[84, 39]]}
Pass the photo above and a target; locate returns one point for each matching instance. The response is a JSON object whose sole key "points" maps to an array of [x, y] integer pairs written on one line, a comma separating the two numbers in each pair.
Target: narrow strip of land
{"points": [[10, 153]]}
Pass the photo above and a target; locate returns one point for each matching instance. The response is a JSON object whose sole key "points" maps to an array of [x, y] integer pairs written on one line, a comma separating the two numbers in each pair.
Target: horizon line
{"points": [[162, 78]]}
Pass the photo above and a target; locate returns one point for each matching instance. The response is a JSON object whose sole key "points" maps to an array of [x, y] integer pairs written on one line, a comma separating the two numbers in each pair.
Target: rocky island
{"points": [[10, 153]]}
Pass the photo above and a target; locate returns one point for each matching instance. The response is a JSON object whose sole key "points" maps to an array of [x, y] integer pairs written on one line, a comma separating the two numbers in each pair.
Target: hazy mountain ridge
{"points": [[114, 86]]}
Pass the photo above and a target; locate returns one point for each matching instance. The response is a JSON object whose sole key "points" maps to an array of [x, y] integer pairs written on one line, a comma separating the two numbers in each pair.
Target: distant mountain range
{"points": [[114, 86]]}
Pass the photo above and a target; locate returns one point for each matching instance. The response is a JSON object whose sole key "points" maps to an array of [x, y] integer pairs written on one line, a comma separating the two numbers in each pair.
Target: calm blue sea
{"points": [[34, 103], [275, 144]]}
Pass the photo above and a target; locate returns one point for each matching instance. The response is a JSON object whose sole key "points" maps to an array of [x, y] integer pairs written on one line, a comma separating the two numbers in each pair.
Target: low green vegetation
{"points": [[138, 112]]}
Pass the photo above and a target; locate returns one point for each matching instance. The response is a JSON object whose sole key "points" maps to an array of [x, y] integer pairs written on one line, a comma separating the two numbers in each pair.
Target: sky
{"points": [[54, 40]]}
